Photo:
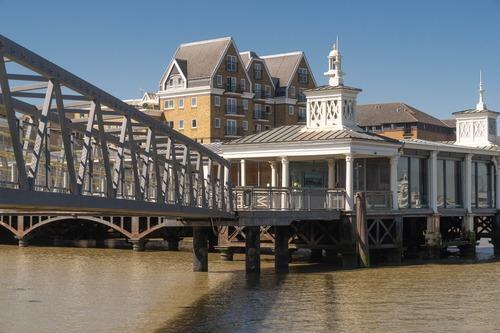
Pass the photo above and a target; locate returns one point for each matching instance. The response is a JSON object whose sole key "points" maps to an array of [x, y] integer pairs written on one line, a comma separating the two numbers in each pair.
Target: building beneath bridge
{"points": [[420, 195]]}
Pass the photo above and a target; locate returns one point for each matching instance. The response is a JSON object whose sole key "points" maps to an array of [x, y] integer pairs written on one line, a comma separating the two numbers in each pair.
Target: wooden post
{"points": [[200, 249], [281, 253], [362, 231], [252, 249]]}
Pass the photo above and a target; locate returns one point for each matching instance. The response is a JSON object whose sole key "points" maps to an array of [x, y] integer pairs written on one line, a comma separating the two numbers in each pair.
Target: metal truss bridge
{"points": [[68, 147]]}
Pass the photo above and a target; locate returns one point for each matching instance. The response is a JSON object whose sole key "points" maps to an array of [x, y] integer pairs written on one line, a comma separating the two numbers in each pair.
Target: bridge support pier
{"points": [[200, 249], [433, 237], [281, 253], [138, 245], [23, 242], [252, 249]]}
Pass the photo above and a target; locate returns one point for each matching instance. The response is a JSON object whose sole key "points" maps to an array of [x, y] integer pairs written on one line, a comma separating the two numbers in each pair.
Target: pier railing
{"points": [[293, 199]]}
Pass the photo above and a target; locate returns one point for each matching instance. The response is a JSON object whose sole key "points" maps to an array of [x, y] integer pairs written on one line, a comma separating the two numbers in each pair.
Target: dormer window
{"points": [[171, 82], [231, 63]]}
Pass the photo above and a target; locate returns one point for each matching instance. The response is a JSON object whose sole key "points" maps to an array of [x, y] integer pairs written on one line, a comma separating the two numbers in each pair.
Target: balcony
{"points": [[234, 110], [288, 199], [301, 98], [236, 88], [262, 95], [260, 115], [233, 131]]}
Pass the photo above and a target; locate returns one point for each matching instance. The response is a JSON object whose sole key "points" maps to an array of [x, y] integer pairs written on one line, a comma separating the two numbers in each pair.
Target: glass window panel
{"points": [[403, 182], [451, 184], [483, 180], [440, 183]]}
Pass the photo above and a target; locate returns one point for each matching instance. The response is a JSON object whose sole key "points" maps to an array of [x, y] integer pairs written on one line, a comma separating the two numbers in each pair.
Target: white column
{"points": [[285, 181], [468, 184], [496, 162], [394, 181], [272, 164], [243, 173], [433, 181], [349, 182], [331, 173]]}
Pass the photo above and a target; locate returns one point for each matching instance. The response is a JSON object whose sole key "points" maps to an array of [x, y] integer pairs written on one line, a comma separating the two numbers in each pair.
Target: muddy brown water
{"points": [[46, 289]]}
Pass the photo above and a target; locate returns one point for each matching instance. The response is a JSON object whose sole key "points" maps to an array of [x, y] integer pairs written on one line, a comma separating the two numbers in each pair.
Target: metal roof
{"points": [[296, 133]]}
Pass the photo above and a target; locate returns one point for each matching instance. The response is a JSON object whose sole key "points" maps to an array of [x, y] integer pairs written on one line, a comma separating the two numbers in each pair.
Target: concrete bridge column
{"points": [[23, 242], [252, 249], [281, 253], [200, 249], [138, 245], [468, 220]]}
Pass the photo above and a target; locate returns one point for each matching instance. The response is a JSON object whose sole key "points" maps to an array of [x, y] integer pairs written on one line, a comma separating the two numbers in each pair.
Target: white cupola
{"points": [[476, 127], [335, 66], [332, 106]]}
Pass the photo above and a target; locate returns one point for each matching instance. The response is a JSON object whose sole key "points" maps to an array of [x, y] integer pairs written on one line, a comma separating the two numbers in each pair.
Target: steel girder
{"points": [[71, 146]]}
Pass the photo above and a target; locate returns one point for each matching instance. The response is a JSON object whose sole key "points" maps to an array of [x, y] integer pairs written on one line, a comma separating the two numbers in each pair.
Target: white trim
{"points": [[173, 63], [282, 54], [206, 41]]}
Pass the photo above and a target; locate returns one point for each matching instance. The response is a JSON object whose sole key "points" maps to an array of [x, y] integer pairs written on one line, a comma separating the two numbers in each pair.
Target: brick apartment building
{"points": [[211, 92]]}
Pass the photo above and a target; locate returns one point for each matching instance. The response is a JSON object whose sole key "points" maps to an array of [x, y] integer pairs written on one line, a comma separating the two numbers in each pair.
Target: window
{"points": [[169, 104], [257, 71], [267, 127], [257, 111], [219, 80], [258, 90], [232, 63], [243, 84], [302, 75], [231, 106], [231, 127], [231, 84], [217, 123], [412, 182], [181, 124], [449, 183], [290, 110], [292, 91], [217, 100], [170, 124], [245, 104], [268, 91], [194, 101], [268, 109], [181, 103], [179, 81], [193, 123], [302, 114], [171, 82], [482, 185], [258, 128], [245, 125]]}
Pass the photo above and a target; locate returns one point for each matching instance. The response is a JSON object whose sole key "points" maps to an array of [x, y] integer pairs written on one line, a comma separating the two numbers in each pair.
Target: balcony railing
{"points": [[261, 94], [237, 88], [260, 115], [234, 110], [233, 131], [303, 199], [378, 199], [291, 199]]}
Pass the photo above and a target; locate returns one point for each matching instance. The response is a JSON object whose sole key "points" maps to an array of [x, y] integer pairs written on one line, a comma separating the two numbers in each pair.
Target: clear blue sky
{"points": [[425, 53]]}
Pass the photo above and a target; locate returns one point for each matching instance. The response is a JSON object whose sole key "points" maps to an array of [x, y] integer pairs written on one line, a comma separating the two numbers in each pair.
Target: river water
{"points": [[104, 290]]}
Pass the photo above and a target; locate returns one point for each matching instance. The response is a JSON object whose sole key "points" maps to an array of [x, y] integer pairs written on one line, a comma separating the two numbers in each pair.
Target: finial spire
{"points": [[334, 72], [481, 105]]}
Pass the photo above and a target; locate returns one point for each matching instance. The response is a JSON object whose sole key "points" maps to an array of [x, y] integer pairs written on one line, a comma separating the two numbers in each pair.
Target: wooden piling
{"points": [[252, 249], [200, 249], [361, 233]]}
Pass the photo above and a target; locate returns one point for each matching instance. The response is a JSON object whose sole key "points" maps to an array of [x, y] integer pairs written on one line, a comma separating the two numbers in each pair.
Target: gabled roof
{"points": [[393, 113], [283, 66], [248, 57], [468, 111], [199, 60], [450, 122], [299, 133]]}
